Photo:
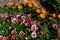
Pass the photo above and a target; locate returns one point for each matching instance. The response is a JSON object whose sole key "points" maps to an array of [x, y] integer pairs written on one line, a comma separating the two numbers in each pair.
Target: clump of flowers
{"points": [[28, 21]]}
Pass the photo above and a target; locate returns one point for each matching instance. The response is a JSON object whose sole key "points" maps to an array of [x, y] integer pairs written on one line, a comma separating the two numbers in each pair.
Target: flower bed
{"points": [[28, 21]]}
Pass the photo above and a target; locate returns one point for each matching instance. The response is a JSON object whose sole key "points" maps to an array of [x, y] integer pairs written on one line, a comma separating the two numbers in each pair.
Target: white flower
{"points": [[33, 35]]}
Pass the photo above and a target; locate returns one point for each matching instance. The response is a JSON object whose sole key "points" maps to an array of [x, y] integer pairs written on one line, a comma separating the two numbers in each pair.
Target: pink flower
{"points": [[26, 23], [34, 28], [33, 35], [23, 17], [29, 16], [13, 32], [21, 33], [13, 37], [4, 38], [54, 26], [13, 20], [33, 23], [1, 37]]}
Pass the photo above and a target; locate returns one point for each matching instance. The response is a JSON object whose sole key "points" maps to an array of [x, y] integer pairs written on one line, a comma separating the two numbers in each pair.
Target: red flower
{"points": [[13, 37], [21, 33], [13, 32]]}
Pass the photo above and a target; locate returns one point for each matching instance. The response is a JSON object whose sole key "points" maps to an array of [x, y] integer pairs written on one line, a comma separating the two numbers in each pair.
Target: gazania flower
{"points": [[59, 16], [21, 33], [10, 3], [13, 32], [54, 26], [42, 16], [13, 37], [33, 35], [38, 11]]}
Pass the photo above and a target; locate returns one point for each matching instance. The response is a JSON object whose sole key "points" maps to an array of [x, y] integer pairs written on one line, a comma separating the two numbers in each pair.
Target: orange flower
{"points": [[38, 10], [58, 15], [19, 7], [10, 3], [30, 4], [35, 4], [44, 11], [13, 7], [42, 15], [54, 15]]}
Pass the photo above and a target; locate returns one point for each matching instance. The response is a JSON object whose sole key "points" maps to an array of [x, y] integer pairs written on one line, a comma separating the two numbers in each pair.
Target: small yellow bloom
{"points": [[42, 15], [19, 7], [58, 15]]}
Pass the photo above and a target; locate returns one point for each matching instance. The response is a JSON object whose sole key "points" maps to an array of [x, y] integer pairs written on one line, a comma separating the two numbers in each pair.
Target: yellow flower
{"points": [[38, 10], [54, 15], [42, 15], [30, 5], [58, 15], [10, 3], [19, 7]]}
